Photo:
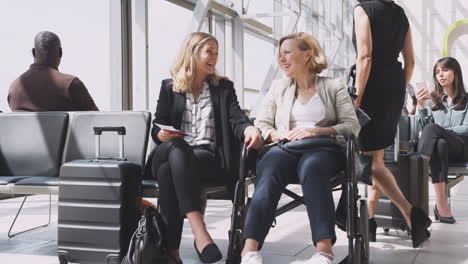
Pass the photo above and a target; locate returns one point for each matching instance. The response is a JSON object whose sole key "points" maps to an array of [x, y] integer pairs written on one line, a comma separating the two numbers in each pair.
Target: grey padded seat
{"points": [[458, 168], [11, 179], [38, 181], [31, 146]]}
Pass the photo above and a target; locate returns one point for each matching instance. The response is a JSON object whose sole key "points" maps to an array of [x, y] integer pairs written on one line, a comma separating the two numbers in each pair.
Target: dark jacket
{"points": [[44, 88], [230, 122]]}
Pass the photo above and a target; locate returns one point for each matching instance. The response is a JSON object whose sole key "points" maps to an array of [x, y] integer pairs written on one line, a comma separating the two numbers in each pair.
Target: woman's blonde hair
{"points": [[184, 68], [318, 61]]}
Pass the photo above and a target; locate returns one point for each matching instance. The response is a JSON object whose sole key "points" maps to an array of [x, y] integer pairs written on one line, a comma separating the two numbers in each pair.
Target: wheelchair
{"points": [[356, 208]]}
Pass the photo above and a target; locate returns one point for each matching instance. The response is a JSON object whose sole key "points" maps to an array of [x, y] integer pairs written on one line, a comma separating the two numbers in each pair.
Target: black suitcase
{"points": [[97, 210], [411, 172]]}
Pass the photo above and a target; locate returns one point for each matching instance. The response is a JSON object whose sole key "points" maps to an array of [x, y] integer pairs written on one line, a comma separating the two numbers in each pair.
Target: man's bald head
{"points": [[47, 49]]}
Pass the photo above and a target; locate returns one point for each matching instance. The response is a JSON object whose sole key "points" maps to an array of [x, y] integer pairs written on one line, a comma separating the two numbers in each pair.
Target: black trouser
{"points": [[180, 169], [441, 146]]}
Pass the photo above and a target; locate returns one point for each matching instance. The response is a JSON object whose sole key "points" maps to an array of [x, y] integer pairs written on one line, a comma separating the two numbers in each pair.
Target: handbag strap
{"points": [[133, 252]]}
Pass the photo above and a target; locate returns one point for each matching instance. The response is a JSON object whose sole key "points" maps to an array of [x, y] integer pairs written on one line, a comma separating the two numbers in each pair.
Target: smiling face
{"points": [[445, 76], [207, 58], [293, 60]]}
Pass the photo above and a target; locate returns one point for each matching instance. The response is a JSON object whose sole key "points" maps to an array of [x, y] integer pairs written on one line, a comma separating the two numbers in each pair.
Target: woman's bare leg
{"points": [[373, 197], [251, 245], [199, 231], [441, 200], [385, 181]]}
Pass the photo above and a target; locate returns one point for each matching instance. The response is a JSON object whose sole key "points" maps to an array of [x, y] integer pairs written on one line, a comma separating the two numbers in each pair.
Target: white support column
{"points": [[140, 55], [220, 34], [277, 20], [238, 45], [293, 20], [127, 55], [115, 55], [199, 14]]}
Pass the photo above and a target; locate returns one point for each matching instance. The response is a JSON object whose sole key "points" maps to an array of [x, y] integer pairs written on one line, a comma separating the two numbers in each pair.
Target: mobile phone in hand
{"points": [[421, 85]]}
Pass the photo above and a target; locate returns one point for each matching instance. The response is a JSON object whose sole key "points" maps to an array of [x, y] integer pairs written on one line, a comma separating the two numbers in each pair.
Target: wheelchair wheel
{"points": [[364, 232], [237, 243], [357, 250]]}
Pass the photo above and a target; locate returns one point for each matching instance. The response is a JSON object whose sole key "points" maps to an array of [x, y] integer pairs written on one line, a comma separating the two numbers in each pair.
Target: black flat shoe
{"points": [[443, 219], [209, 254], [419, 224], [372, 230]]}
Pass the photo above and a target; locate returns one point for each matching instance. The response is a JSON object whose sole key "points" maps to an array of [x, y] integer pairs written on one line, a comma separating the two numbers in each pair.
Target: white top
{"points": [[307, 115], [198, 118]]}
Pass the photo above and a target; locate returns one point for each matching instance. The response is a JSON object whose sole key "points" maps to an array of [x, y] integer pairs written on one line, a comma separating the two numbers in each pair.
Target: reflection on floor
{"points": [[290, 240]]}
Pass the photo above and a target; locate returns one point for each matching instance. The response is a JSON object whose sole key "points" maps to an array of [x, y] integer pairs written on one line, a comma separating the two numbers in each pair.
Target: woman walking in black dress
{"points": [[381, 32]]}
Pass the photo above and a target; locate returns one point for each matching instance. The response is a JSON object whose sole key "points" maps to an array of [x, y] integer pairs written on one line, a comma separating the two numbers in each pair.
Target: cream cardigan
{"points": [[275, 112]]}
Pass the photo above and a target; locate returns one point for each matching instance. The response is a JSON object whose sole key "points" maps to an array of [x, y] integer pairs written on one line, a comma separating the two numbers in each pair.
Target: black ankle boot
{"points": [[210, 254], [372, 230], [419, 224]]}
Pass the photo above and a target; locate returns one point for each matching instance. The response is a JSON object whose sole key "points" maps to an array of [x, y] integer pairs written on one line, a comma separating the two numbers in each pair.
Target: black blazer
{"points": [[230, 121]]}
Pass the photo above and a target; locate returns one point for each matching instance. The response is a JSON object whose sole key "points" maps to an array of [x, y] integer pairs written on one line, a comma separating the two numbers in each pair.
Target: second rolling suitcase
{"points": [[411, 172], [98, 210]]}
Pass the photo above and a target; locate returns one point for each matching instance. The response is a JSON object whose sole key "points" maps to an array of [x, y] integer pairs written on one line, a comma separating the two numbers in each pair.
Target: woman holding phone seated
{"points": [[304, 105], [209, 124], [443, 117]]}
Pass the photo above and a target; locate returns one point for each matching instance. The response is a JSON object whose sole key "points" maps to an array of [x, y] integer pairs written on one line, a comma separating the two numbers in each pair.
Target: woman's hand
{"points": [[273, 137], [421, 96], [166, 136], [357, 103], [302, 133], [253, 137]]}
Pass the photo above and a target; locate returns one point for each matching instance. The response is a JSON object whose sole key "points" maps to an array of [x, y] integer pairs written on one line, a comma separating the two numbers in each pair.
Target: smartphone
{"points": [[421, 85]]}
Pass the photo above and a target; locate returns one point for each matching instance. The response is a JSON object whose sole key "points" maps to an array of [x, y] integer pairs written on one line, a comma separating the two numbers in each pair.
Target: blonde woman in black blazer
{"points": [[204, 106]]}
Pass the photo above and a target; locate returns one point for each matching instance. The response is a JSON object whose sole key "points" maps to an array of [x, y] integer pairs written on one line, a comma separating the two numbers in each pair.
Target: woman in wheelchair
{"points": [[304, 105], [443, 117], [197, 124]]}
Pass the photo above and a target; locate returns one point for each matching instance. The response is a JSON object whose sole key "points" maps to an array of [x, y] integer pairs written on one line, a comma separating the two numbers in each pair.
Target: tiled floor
{"points": [[289, 241]]}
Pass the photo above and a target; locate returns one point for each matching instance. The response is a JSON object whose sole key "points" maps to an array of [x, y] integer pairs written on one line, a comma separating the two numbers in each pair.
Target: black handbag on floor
{"points": [[148, 244]]}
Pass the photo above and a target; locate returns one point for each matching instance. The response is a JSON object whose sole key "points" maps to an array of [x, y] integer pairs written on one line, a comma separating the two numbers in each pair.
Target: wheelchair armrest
{"points": [[247, 161]]}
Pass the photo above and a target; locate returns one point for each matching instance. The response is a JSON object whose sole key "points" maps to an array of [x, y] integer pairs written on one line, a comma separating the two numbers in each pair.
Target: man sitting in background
{"points": [[43, 87]]}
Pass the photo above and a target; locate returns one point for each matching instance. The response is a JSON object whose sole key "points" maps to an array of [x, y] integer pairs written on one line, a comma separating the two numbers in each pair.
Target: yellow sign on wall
{"points": [[450, 30]]}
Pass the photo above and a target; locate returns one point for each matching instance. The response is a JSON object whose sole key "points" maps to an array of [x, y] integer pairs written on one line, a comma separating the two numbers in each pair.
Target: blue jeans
{"points": [[275, 170]]}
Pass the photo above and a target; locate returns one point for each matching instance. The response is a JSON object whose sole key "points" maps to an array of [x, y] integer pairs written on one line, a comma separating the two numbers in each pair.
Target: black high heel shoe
{"points": [[419, 224], [372, 230], [443, 219], [209, 254]]}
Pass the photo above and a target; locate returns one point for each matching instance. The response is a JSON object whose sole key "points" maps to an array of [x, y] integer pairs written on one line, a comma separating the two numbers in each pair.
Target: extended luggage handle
{"points": [[121, 131]]}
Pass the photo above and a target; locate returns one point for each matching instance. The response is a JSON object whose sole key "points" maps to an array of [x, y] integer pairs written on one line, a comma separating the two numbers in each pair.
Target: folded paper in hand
{"points": [[173, 130]]}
